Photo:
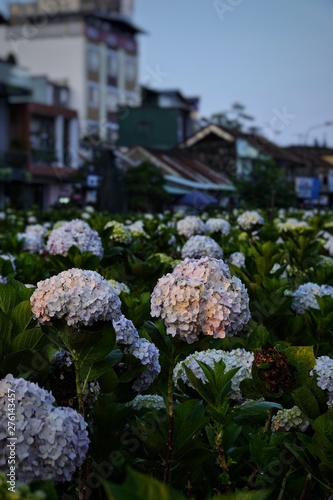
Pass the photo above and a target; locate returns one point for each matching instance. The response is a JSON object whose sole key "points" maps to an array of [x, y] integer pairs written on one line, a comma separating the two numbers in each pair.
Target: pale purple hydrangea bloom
{"points": [[218, 226], [292, 418], [126, 333], [324, 372], [200, 296], [148, 354], [78, 233], [52, 442], [233, 359], [198, 246], [78, 296], [237, 259], [304, 297], [32, 242], [190, 226]]}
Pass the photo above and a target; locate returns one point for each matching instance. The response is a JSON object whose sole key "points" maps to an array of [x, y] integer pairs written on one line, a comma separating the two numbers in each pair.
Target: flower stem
{"points": [[170, 408]]}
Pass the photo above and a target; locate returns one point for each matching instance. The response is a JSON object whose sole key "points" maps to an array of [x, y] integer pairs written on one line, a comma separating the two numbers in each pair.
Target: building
{"points": [[183, 173], [88, 45], [39, 138], [164, 119]]}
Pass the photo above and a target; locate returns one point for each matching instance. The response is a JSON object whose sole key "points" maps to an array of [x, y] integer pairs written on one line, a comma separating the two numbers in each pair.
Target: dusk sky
{"points": [[273, 56]]}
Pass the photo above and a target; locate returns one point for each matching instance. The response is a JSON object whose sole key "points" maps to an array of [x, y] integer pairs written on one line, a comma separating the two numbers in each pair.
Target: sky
{"points": [[272, 56]]}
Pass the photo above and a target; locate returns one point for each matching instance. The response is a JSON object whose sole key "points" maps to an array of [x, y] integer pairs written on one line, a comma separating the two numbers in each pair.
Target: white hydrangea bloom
{"points": [[137, 229], [190, 226], [233, 359], [52, 442], [324, 371], [218, 226], [78, 233], [329, 245], [291, 224], [126, 333], [32, 242], [36, 228], [148, 354], [304, 297], [120, 234], [237, 259], [198, 246], [10, 257], [285, 420], [200, 296], [76, 295], [148, 401], [249, 219]]}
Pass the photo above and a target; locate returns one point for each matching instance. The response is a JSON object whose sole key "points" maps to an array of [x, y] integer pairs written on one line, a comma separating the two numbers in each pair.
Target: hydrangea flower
{"points": [[32, 241], [324, 371], [148, 354], [198, 246], [218, 226], [137, 229], [190, 226], [147, 401], [126, 333], [78, 296], [329, 245], [200, 296], [52, 442], [233, 359], [249, 220], [237, 259], [304, 297], [291, 224], [119, 287], [78, 233], [120, 234], [285, 420]]}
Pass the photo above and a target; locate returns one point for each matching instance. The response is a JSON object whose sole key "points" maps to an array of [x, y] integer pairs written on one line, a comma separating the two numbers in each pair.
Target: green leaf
{"points": [[303, 359], [21, 316], [28, 339], [259, 337], [5, 333], [8, 297], [254, 412], [157, 337], [250, 389], [306, 401], [138, 486]]}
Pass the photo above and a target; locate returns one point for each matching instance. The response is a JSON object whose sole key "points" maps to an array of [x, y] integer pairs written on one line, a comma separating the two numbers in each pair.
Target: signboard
{"points": [[92, 181], [307, 187]]}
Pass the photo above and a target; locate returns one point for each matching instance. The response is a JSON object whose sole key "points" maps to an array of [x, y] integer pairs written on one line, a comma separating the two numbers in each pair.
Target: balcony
{"points": [[14, 81]]}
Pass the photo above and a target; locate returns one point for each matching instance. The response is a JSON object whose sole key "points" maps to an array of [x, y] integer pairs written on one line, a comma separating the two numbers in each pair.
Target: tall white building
{"points": [[89, 45]]}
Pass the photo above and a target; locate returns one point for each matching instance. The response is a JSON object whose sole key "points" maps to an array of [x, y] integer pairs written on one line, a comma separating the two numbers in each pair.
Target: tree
{"points": [[234, 118], [265, 187], [145, 188]]}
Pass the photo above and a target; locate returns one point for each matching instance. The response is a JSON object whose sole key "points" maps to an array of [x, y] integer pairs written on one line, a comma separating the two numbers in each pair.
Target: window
{"points": [[112, 63], [112, 101], [131, 69], [93, 59], [93, 96]]}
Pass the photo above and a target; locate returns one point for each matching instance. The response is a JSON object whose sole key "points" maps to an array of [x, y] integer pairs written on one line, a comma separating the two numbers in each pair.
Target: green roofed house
{"points": [[164, 119]]}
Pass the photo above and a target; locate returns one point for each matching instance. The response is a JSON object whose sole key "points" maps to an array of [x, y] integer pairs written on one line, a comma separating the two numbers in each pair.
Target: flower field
{"points": [[166, 356]]}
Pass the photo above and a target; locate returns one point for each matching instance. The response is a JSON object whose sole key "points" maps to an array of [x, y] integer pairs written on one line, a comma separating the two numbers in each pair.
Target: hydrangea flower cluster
{"points": [[249, 219], [233, 359], [148, 354], [78, 233], [120, 234], [36, 228], [200, 296], [305, 296], [78, 296], [126, 333], [119, 287], [218, 226], [237, 259], [52, 442], [137, 229], [147, 401], [32, 241], [198, 246], [324, 372], [190, 226], [285, 420], [291, 224], [329, 245]]}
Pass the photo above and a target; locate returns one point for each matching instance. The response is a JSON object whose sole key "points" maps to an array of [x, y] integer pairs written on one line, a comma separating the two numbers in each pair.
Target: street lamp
{"points": [[325, 124]]}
